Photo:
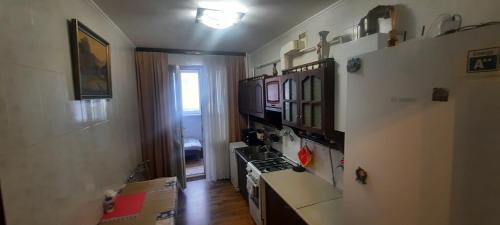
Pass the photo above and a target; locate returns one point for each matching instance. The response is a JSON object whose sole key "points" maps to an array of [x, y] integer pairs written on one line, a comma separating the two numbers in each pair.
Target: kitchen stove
{"points": [[271, 165], [254, 170]]}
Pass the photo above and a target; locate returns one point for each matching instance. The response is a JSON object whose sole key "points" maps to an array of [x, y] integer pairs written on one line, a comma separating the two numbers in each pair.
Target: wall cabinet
{"points": [[251, 97], [273, 94], [290, 107], [243, 96], [278, 212], [308, 98], [257, 86]]}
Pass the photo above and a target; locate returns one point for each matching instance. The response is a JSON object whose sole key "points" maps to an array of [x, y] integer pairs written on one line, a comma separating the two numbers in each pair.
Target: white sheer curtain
{"points": [[214, 111]]}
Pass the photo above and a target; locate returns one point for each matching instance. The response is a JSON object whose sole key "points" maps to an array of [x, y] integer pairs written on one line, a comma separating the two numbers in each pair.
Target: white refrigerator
{"points": [[430, 159]]}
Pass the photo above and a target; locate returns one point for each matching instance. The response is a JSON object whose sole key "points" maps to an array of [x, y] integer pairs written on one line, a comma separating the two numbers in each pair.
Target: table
{"points": [[159, 205]]}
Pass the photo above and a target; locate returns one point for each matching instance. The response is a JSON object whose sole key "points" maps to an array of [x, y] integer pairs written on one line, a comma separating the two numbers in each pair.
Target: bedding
{"points": [[192, 144], [193, 149]]}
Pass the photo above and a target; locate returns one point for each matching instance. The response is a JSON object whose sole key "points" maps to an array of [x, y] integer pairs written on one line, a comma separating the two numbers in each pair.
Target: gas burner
{"points": [[271, 165]]}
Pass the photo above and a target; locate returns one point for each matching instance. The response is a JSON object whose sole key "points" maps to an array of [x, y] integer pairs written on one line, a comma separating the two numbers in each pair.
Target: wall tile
{"points": [[34, 27], [26, 119], [58, 155], [3, 112]]}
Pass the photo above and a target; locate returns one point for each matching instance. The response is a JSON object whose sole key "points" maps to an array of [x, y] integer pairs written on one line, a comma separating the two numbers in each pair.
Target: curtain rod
{"points": [[189, 52]]}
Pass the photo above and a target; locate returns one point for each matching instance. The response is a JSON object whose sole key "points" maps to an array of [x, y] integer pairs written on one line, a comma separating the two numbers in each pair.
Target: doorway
{"points": [[192, 127]]}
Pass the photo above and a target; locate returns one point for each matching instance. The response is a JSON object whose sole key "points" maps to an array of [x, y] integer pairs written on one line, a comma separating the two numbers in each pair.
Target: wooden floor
{"points": [[195, 168], [212, 203]]}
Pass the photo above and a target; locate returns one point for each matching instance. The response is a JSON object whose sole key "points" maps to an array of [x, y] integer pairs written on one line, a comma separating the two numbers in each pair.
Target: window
{"points": [[190, 93]]}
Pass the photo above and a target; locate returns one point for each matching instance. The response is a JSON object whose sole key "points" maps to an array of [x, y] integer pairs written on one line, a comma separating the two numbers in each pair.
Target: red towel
{"points": [[305, 156], [126, 206]]}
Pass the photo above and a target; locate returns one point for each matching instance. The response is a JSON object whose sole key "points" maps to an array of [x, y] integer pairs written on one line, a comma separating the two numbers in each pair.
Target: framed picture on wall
{"points": [[90, 57]]}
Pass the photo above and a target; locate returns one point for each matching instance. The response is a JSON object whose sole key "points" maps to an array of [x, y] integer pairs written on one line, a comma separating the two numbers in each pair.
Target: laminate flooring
{"points": [[212, 203]]}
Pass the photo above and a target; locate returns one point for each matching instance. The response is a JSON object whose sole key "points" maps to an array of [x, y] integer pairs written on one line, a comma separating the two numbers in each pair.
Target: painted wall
{"points": [[58, 155], [321, 165], [428, 162], [191, 125], [340, 19]]}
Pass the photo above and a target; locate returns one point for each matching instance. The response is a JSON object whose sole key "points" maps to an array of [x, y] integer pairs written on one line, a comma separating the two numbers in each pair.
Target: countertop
{"points": [[323, 213], [314, 199]]}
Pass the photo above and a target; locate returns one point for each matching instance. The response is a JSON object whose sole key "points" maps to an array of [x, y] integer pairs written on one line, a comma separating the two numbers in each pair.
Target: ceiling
{"points": [[171, 23]]}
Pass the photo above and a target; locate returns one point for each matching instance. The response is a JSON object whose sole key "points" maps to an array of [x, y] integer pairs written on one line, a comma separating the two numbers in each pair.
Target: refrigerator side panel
{"points": [[475, 189], [405, 141]]}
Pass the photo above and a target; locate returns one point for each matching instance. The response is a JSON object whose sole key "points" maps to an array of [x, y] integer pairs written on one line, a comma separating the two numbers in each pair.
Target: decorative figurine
{"points": [[361, 175], [109, 201], [353, 65], [341, 163], [275, 71], [323, 48]]}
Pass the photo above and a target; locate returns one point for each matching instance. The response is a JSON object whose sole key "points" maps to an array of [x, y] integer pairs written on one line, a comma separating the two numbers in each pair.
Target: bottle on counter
{"points": [[109, 201]]}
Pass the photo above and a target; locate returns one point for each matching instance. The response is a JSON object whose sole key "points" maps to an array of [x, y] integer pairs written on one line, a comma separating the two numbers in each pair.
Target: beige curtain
{"points": [[158, 109], [235, 67]]}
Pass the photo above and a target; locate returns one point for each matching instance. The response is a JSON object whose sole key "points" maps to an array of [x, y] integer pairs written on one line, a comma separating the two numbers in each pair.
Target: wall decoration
{"points": [[440, 94], [275, 71], [90, 56], [323, 48], [361, 175], [483, 60], [353, 65]]}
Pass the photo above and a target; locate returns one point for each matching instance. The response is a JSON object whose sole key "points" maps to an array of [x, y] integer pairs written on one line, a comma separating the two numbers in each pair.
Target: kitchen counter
{"points": [[300, 189], [314, 199], [323, 213]]}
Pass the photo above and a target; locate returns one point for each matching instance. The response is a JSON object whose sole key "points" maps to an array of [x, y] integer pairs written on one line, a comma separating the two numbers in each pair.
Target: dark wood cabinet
{"points": [[290, 107], [278, 212], [273, 94], [242, 176], [244, 97], [257, 86], [308, 98], [251, 97]]}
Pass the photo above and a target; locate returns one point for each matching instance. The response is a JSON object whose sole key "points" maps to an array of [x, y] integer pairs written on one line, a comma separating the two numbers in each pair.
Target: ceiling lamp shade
{"points": [[218, 19]]}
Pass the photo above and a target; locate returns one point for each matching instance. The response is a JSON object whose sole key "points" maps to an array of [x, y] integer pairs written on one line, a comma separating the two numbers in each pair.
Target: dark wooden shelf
{"points": [[310, 106]]}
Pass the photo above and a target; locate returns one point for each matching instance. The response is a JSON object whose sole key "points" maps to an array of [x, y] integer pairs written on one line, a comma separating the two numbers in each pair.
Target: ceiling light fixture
{"points": [[232, 6], [218, 19]]}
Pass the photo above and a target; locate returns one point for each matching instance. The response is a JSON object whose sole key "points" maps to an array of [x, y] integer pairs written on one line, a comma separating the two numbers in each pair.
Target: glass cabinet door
{"points": [[311, 101], [259, 98], [290, 95]]}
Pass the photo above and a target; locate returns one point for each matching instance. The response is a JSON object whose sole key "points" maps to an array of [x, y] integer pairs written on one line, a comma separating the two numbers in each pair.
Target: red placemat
{"points": [[126, 206]]}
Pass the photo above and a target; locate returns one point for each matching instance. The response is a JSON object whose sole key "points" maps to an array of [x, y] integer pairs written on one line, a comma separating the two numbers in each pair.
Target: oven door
{"points": [[253, 189], [253, 198]]}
